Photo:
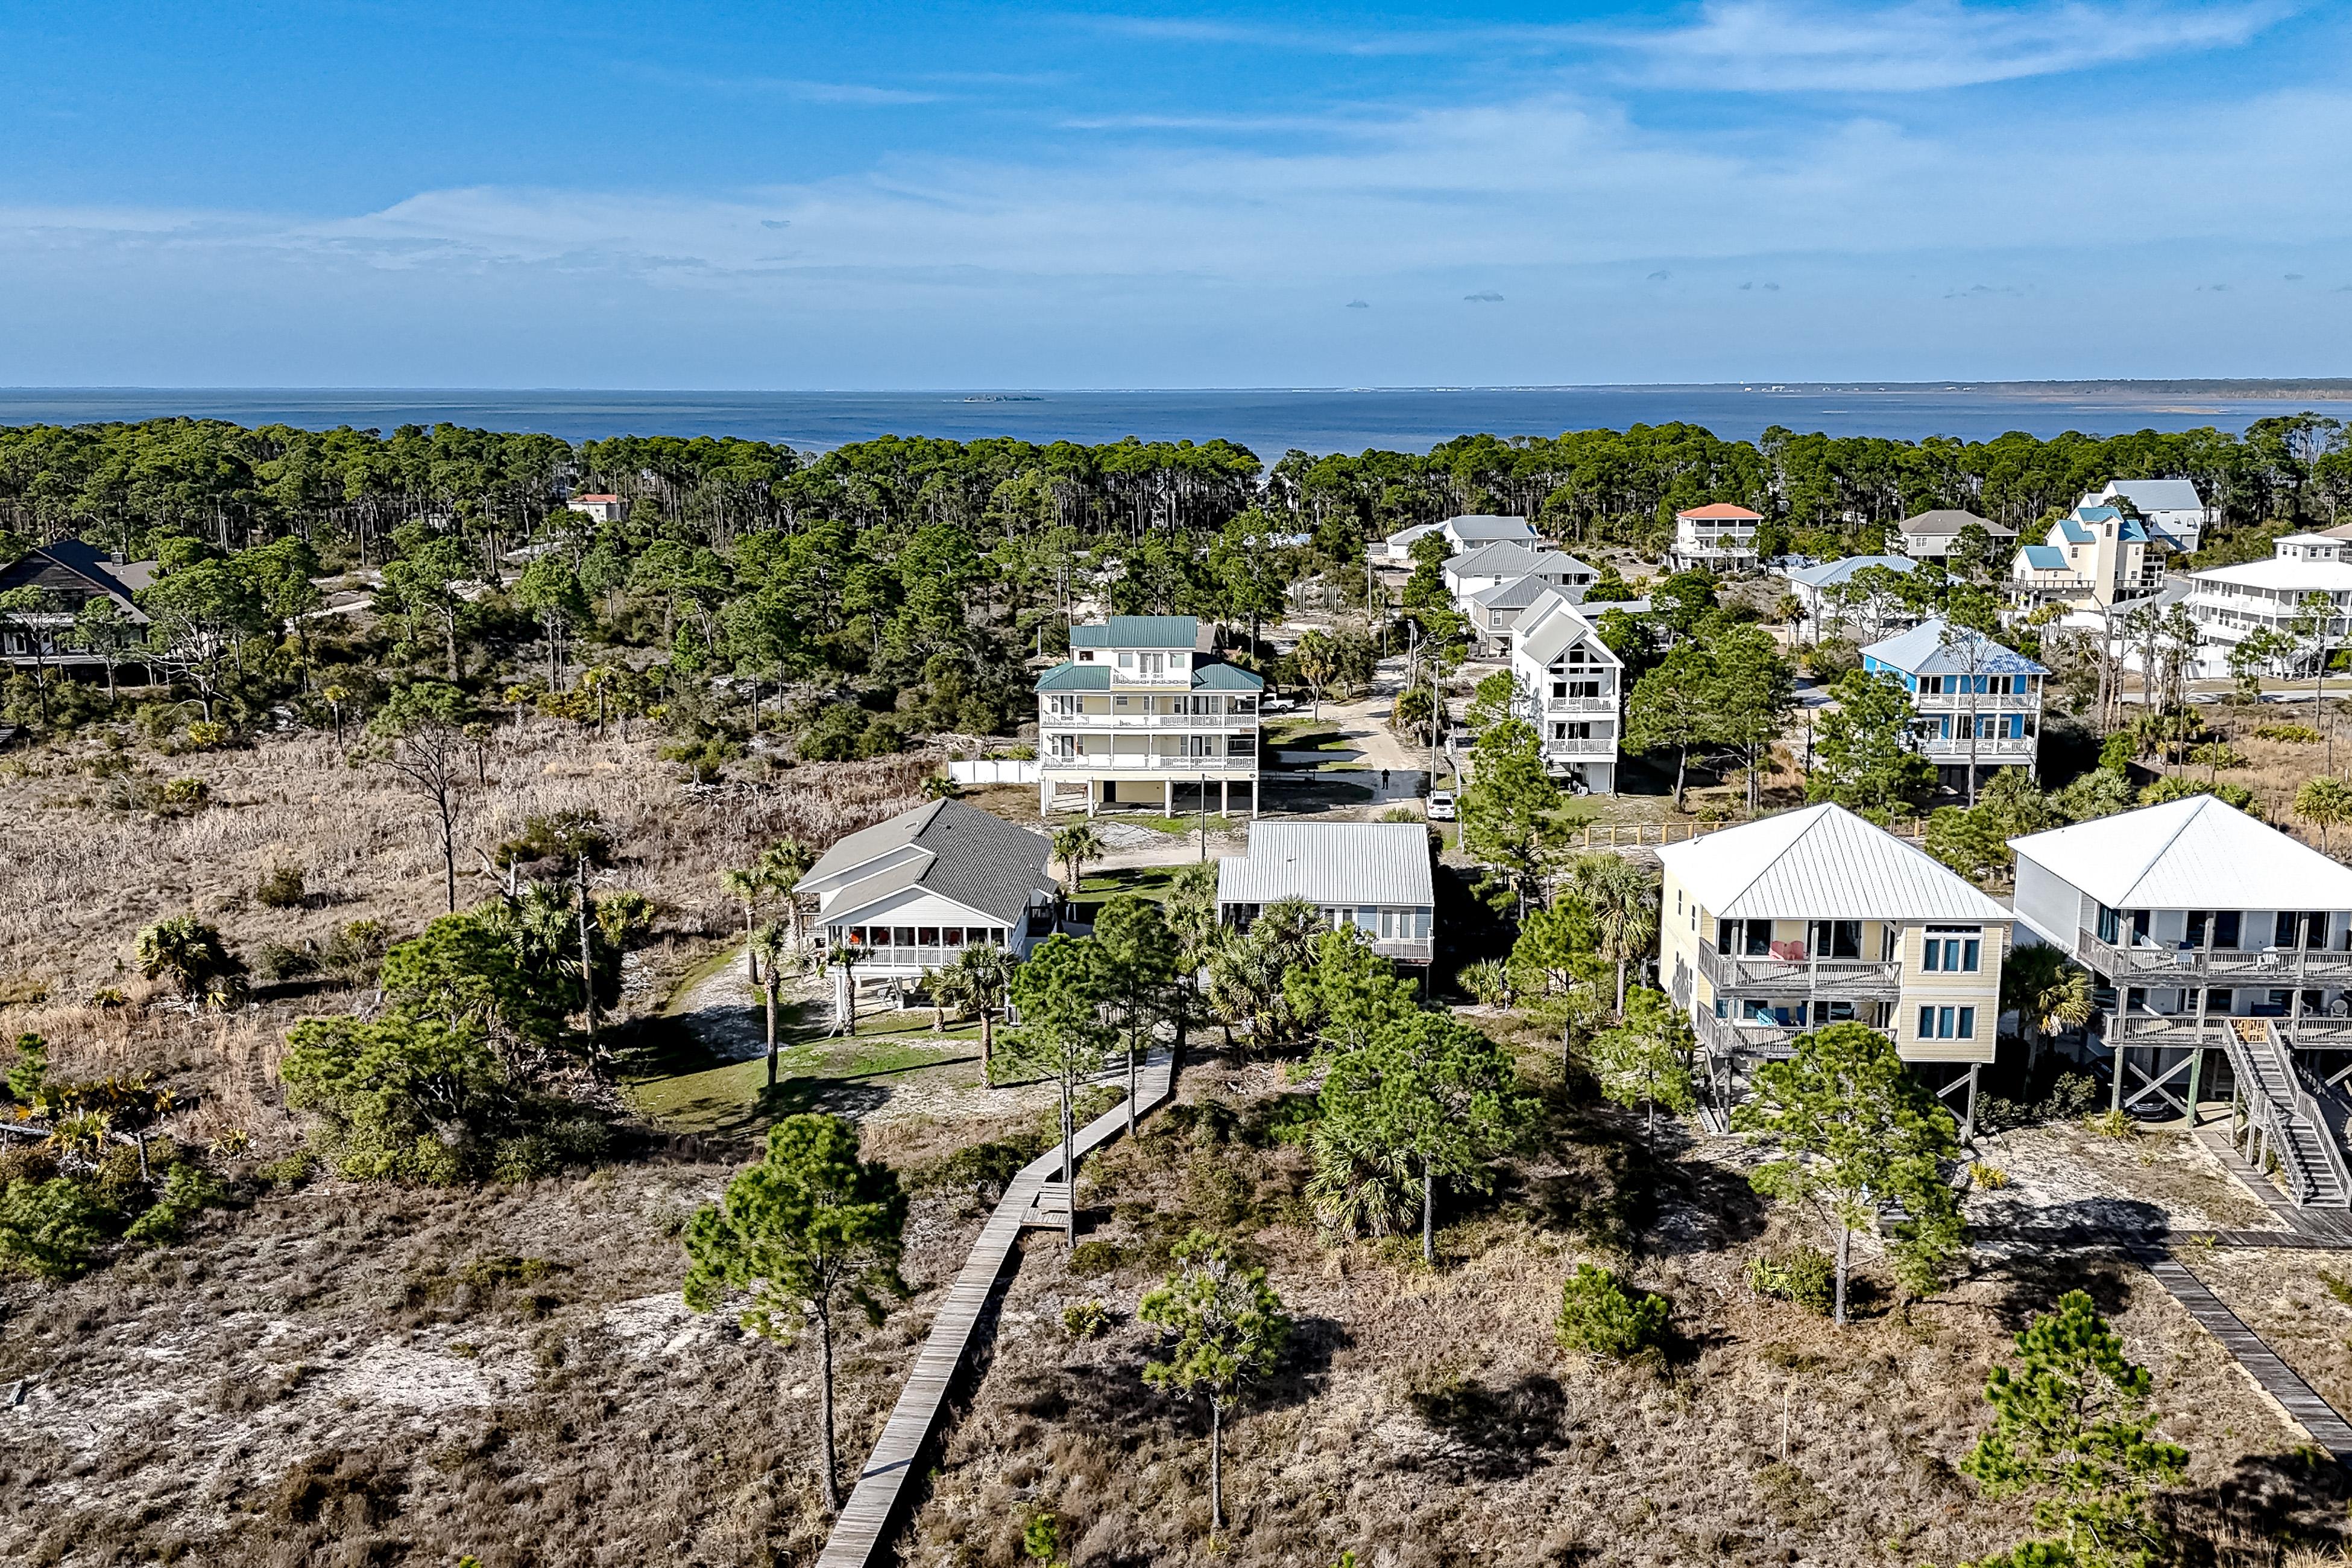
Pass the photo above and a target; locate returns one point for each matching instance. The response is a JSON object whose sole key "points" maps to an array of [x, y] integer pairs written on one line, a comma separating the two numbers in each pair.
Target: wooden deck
{"points": [[2301, 1401], [867, 1520]]}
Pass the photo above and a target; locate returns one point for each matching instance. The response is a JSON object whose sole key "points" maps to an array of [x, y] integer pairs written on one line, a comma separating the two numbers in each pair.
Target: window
{"points": [[904, 936], [1947, 1023], [1369, 918], [1952, 949], [927, 936]]}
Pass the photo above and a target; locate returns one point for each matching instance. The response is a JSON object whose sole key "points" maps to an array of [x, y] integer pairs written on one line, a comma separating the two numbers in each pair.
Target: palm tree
{"points": [[977, 982], [773, 943], [781, 866], [2324, 802], [1624, 905], [845, 957], [1488, 980], [1074, 846], [743, 883], [2048, 992]]}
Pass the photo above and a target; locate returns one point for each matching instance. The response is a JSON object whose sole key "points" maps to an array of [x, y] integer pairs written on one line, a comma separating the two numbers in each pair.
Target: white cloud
{"points": [[1789, 45]]}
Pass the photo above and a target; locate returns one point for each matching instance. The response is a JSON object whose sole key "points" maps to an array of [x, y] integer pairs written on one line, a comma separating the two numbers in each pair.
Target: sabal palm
{"points": [[2324, 802], [1074, 846], [773, 945], [2048, 992], [781, 866], [744, 885], [1624, 903], [978, 982]]}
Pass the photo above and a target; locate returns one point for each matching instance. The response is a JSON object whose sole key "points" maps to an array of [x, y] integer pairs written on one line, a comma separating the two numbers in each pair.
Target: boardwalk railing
{"points": [[866, 1521]]}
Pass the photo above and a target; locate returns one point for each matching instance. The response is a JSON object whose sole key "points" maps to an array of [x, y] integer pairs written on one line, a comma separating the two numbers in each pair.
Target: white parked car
{"points": [[1441, 805]]}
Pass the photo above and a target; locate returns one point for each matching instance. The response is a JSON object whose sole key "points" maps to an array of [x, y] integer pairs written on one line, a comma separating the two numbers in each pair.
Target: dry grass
{"points": [[86, 875], [1428, 1419], [346, 1377]]}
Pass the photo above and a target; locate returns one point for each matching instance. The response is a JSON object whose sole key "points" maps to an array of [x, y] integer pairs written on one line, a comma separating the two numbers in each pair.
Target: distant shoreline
{"points": [[2335, 389]]}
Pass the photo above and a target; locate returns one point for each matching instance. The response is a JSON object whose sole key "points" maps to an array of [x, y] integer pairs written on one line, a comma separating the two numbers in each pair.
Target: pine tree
{"points": [[1224, 1328], [809, 1231], [1646, 1059], [1850, 1129], [2072, 1423]]}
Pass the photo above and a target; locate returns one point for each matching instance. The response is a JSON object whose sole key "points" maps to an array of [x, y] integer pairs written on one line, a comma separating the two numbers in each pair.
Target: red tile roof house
{"points": [[1719, 537]]}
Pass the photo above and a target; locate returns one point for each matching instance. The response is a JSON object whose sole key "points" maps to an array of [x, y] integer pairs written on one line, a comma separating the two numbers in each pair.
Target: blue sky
{"points": [[966, 195]]}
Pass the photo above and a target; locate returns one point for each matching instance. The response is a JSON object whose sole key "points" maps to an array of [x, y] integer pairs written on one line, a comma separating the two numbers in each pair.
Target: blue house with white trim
{"points": [[1977, 705]]}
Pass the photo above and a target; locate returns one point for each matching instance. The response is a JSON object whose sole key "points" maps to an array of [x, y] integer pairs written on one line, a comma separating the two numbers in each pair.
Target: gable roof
{"points": [[1138, 632], [960, 853], [1338, 863], [1487, 526], [1512, 594], [1551, 626], [117, 579], [1921, 652], [2159, 495], [1821, 863], [2074, 533], [1947, 520], [1830, 573], [1506, 559], [2197, 852], [1723, 510]]}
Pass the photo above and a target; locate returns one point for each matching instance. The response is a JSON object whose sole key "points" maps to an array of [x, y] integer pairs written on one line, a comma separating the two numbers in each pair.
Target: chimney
{"points": [[115, 555]]}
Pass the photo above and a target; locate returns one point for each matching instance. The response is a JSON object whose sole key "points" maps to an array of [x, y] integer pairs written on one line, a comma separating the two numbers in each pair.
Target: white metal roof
{"points": [[1332, 863], [2157, 495], [2197, 852], [1551, 626], [1821, 863]]}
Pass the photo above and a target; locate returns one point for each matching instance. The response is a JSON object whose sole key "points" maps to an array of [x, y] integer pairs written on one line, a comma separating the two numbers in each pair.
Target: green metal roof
{"points": [[1097, 678], [1076, 678], [1226, 678], [1138, 632]]}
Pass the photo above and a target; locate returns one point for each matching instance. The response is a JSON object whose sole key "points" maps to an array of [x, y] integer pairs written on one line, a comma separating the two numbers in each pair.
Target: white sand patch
{"points": [[416, 1377]]}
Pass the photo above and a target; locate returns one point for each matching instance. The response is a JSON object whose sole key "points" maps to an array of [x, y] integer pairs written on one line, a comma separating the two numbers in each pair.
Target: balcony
{"points": [[1142, 762], [1986, 748], [1580, 746], [1854, 979], [2149, 965], [1048, 720], [1981, 701], [1581, 705], [2140, 1028]]}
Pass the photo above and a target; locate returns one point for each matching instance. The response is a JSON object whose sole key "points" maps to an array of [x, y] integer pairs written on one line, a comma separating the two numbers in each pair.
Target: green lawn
{"points": [[679, 1085], [1151, 882], [1305, 735], [1180, 825]]}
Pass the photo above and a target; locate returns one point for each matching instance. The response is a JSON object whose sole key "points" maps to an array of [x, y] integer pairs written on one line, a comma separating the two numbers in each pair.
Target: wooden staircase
{"points": [[2281, 1121]]}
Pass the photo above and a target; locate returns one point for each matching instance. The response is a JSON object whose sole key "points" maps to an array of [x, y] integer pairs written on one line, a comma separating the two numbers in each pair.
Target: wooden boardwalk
{"points": [[2301, 1401], [866, 1519]]}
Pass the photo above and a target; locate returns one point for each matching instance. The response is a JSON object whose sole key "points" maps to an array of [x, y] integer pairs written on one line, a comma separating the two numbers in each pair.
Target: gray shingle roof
{"points": [[1947, 520], [978, 860]]}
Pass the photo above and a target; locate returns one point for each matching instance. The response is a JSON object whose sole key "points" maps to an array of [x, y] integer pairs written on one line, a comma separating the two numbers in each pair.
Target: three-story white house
{"points": [[2230, 601], [1573, 689], [1978, 704], [1719, 538], [1813, 917], [1143, 713], [2092, 557]]}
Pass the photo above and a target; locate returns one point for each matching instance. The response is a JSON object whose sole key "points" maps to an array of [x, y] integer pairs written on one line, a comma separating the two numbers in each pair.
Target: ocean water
{"points": [[1269, 422]]}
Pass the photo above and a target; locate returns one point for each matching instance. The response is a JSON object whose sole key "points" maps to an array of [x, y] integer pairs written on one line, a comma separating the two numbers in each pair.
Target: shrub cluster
{"points": [[1600, 1316]]}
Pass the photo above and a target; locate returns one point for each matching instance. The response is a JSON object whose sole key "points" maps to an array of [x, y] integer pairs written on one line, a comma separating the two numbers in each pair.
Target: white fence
{"points": [[993, 770]]}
